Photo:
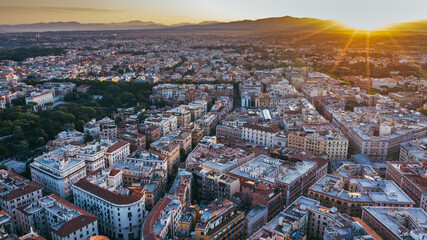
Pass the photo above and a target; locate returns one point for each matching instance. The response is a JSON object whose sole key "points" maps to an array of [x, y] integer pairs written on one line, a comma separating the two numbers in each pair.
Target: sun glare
{"points": [[365, 23]]}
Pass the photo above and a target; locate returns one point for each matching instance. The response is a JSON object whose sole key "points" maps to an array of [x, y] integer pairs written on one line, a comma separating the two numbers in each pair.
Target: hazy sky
{"points": [[359, 13]]}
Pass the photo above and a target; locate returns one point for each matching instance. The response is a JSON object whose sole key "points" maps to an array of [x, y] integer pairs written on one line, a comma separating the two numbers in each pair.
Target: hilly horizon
{"points": [[287, 23]]}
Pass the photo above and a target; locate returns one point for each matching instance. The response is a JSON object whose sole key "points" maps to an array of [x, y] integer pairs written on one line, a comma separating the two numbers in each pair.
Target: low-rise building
{"points": [[41, 98], [66, 138]]}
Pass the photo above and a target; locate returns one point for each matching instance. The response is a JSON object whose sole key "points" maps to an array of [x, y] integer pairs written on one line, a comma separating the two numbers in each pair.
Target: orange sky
{"points": [[357, 13]]}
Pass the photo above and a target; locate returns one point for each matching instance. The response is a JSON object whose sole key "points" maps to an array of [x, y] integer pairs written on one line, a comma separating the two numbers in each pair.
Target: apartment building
{"points": [[181, 187], [182, 114], [256, 194], [208, 122], [167, 122], [108, 128], [196, 132], [136, 140], [263, 100], [308, 219], [56, 171], [182, 138], [163, 220], [121, 209], [152, 133], [379, 133], [41, 98], [116, 151], [411, 177], [333, 145], [226, 223], [16, 191], [57, 219], [196, 111], [170, 150], [229, 132], [350, 197], [147, 169], [259, 135], [396, 223], [294, 179], [218, 157], [92, 128], [414, 151]]}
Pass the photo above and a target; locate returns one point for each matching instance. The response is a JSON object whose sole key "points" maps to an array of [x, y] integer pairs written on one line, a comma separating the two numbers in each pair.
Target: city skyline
{"points": [[362, 14]]}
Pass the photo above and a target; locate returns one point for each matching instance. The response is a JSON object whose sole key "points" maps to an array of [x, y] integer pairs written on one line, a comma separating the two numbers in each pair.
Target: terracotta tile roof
{"points": [[171, 147], [152, 217], [114, 172], [74, 224], [367, 228], [2, 212], [260, 128], [34, 238], [151, 236], [21, 209], [136, 193], [99, 237], [28, 188], [117, 146]]}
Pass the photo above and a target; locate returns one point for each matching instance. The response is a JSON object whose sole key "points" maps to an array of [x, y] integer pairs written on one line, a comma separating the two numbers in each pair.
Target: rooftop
{"points": [[13, 186], [406, 223], [273, 170], [381, 191], [100, 184]]}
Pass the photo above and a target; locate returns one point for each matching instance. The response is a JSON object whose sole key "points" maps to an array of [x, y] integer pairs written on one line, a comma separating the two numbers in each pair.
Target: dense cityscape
{"points": [[213, 134]]}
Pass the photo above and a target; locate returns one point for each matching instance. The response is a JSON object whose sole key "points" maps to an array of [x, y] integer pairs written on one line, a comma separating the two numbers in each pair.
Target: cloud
{"points": [[18, 9]]}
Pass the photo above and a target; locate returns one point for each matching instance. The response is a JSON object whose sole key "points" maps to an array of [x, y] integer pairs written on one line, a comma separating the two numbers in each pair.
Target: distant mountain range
{"points": [[286, 23], [76, 26], [420, 25]]}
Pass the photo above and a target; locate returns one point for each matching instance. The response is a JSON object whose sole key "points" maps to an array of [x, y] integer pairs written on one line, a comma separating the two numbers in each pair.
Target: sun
{"points": [[364, 23]]}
